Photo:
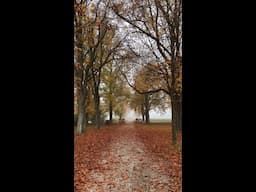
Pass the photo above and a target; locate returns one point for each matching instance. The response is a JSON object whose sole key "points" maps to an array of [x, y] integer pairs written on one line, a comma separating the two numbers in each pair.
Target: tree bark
{"points": [[81, 112], [110, 112], [174, 122], [147, 108], [86, 116], [142, 112], [179, 115], [176, 117], [97, 109]]}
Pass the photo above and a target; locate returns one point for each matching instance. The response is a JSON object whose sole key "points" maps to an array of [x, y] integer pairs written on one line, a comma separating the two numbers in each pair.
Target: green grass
{"points": [[160, 121]]}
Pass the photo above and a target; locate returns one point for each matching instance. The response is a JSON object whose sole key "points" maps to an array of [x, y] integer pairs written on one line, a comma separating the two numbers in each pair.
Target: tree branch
{"points": [[139, 91], [143, 31]]}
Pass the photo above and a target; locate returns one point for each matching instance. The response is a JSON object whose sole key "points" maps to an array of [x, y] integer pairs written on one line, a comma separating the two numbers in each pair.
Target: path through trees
{"points": [[128, 158]]}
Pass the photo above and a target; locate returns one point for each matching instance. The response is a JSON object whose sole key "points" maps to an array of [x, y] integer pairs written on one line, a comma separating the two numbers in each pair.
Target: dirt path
{"points": [[129, 167]]}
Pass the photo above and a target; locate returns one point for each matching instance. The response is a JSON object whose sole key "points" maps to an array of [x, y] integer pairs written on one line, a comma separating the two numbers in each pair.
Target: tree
{"points": [[137, 104], [114, 92], [95, 44], [108, 79], [110, 88], [144, 99], [108, 44], [82, 66], [121, 102], [160, 23]]}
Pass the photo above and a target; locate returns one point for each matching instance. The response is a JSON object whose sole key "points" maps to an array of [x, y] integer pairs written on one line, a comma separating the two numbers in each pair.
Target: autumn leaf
{"points": [[158, 154]]}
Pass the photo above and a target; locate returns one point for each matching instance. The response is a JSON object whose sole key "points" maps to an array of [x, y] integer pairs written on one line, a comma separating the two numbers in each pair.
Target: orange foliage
{"points": [[90, 146]]}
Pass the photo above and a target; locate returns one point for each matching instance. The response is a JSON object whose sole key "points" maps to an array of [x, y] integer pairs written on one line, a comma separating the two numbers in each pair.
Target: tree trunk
{"points": [[97, 109], [147, 117], [110, 112], [142, 112], [147, 109], [81, 111], [85, 121], [179, 115], [80, 122], [174, 122], [176, 117]]}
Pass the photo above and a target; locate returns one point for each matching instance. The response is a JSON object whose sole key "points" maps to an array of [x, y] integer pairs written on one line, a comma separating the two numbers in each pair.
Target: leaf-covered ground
{"points": [[127, 158]]}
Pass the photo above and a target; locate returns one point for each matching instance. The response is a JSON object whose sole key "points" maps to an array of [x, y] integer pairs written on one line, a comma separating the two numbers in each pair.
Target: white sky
{"points": [[131, 116], [156, 115]]}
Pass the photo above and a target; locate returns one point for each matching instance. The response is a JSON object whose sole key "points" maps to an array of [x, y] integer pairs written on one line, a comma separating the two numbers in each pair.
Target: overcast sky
{"points": [[156, 115], [131, 116]]}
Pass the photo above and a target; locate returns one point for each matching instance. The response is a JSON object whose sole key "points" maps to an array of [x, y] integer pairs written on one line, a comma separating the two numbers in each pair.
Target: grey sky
{"points": [[131, 115]]}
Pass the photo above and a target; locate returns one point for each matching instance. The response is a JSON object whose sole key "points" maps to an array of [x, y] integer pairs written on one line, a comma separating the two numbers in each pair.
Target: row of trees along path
{"points": [[127, 43]]}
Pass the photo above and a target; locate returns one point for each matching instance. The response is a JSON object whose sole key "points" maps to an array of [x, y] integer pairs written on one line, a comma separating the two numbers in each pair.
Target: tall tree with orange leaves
{"points": [[160, 22]]}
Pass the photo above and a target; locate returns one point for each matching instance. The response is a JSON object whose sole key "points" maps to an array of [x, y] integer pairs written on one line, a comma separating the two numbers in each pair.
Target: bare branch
{"points": [[143, 31]]}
